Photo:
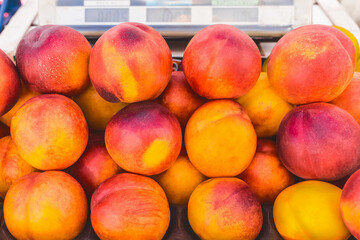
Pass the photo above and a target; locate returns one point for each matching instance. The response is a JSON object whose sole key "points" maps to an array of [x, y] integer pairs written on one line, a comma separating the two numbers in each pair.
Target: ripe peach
{"points": [[129, 206], [54, 59], [9, 83], [224, 208], [221, 61], [319, 141], [4, 130], [48, 205], [310, 210], [25, 94], [131, 62], [180, 99], [350, 204], [144, 138], [265, 107], [94, 167], [349, 100], [50, 132], [180, 180], [12, 166], [266, 175], [220, 139], [97, 111], [299, 66]]}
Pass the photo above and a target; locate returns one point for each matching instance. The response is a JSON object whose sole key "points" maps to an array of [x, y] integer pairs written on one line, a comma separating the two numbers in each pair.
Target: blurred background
{"points": [[177, 20]]}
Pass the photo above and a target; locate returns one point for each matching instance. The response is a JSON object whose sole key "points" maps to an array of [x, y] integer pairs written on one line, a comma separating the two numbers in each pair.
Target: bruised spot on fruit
{"points": [[106, 94], [156, 153], [130, 37]]}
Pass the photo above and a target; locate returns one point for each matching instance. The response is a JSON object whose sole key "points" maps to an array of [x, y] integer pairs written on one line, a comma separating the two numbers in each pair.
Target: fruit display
{"points": [[47, 205], [221, 61], [311, 142], [224, 208], [50, 132], [180, 99], [299, 68], [266, 175], [10, 85], [180, 180], [12, 166], [220, 139], [54, 59], [94, 166], [130, 206], [108, 142], [265, 107], [310, 210], [144, 138], [350, 204], [350, 97], [131, 62]]}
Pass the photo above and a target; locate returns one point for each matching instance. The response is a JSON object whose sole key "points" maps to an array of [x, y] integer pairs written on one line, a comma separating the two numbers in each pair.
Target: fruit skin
{"points": [[12, 166], [349, 100], [94, 166], [224, 208], [25, 94], [350, 204], [356, 45], [54, 59], [50, 132], [144, 138], [9, 84], [97, 111], [220, 139], [180, 99], [311, 144], [265, 107], [131, 62], [299, 66], [180, 180], [47, 205], [221, 61], [129, 206], [266, 175], [310, 211]]}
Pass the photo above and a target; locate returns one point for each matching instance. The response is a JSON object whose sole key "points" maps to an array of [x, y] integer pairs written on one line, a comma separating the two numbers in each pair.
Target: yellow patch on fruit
{"points": [[45, 213], [156, 153], [128, 83], [34, 158], [310, 210]]}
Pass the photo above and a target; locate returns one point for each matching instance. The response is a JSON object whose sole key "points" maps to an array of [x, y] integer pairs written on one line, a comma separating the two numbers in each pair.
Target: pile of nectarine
{"points": [[108, 137]]}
